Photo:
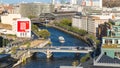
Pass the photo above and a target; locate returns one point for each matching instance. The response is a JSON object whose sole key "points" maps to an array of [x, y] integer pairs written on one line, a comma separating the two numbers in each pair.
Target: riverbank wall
{"points": [[22, 56]]}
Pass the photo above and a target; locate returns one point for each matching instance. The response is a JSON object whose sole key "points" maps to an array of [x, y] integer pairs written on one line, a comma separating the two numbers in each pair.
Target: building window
{"points": [[110, 41], [116, 41], [106, 41], [25, 34], [20, 34], [117, 54], [105, 53]]}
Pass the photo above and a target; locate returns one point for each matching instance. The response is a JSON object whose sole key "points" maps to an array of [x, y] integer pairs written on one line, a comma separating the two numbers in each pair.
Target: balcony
{"points": [[110, 46]]}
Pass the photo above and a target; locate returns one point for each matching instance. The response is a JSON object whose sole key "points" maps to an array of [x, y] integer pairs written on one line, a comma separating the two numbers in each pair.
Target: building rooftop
{"points": [[6, 26], [89, 64], [102, 16], [110, 46], [107, 59], [103, 67]]}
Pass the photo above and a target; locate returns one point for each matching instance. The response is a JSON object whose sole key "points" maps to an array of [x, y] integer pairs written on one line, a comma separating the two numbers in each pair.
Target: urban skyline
{"points": [[69, 33], [29, 1], [18, 1]]}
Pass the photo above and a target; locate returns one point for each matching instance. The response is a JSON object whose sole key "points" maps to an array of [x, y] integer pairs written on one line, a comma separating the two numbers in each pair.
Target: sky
{"points": [[18, 1]]}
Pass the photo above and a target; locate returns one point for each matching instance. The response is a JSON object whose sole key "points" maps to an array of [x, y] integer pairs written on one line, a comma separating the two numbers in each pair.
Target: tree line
{"points": [[111, 3]]}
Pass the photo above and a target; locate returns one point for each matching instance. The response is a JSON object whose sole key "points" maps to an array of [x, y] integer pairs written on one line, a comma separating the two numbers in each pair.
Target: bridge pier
{"points": [[48, 54], [34, 55]]}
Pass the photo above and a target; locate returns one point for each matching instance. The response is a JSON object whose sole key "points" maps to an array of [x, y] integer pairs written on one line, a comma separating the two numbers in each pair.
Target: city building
{"points": [[110, 50], [65, 8], [87, 10], [8, 18], [21, 27], [94, 21], [94, 3], [35, 9], [16, 9], [73, 2], [114, 10], [8, 8], [111, 43], [1, 9], [57, 16], [90, 23], [80, 21]]}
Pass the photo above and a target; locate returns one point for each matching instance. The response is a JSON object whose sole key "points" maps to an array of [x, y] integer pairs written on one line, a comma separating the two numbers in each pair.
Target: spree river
{"points": [[59, 59]]}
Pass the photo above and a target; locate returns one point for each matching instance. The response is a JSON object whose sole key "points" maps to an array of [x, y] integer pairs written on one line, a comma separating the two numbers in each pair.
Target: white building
{"points": [[8, 18], [73, 2], [20, 26], [35, 9], [23, 27], [80, 22], [90, 23], [94, 3]]}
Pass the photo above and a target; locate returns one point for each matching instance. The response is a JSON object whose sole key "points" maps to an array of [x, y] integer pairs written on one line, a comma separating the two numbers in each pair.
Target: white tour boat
{"points": [[61, 39]]}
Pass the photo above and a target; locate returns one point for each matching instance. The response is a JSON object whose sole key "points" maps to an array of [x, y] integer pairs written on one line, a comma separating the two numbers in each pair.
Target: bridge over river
{"points": [[68, 49]]}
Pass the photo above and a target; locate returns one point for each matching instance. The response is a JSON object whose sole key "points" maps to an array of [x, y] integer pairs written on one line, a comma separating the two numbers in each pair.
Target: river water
{"points": [[64, 59]]}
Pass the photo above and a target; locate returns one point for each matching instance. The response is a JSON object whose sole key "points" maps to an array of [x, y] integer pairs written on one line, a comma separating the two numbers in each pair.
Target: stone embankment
{"points": [[23, 55]]}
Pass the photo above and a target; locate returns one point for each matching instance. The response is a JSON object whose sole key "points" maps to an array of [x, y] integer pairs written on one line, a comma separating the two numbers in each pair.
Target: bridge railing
{"points": [[57, 49]]}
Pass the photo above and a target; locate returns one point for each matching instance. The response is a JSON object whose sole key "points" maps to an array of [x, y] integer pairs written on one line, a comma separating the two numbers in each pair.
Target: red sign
{"points": [[22, 26]]}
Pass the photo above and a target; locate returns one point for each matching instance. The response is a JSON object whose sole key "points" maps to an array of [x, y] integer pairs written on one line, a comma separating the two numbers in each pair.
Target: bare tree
{"points": [[111, 3]]}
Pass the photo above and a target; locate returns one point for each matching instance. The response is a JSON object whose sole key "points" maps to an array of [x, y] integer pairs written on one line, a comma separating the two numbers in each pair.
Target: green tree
{"points": [[44, 33], [28, 44], [66, 22], [85, 58], [31, 16], [94, 39], [63, 24], [34, 27], [13, 50]]}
